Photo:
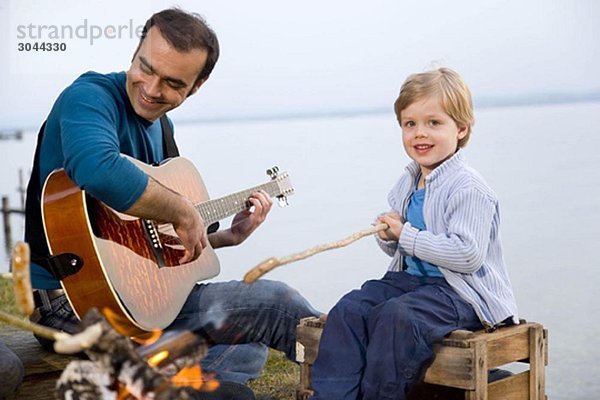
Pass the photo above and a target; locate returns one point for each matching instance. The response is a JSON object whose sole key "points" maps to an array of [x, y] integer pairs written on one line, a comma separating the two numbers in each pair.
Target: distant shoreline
{"points": [[484, 102]]}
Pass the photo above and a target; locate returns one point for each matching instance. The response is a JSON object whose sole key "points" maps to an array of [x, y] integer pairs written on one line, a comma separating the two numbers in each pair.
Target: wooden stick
{"points": [[273, 262], [21, 279], [64, 343], [23, 296], [39, 330]]}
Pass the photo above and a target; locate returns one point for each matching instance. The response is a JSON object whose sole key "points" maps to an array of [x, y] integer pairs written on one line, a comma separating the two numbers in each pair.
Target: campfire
{"points": [[168, 368], [165, 366]]}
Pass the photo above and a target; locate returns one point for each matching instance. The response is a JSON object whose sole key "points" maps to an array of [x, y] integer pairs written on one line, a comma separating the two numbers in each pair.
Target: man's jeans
{"points": [[377, 339], [254, 316]]}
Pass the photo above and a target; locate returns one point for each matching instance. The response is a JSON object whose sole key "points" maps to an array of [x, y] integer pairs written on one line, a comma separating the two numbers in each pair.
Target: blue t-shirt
{"points": [[414, 215], [90, 125]]}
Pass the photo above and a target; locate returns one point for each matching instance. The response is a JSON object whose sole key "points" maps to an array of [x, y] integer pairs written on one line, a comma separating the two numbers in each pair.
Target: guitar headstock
{"points": [[283, 183]]}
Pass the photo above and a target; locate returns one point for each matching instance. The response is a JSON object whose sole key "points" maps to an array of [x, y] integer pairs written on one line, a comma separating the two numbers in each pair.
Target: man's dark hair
{"points": [[185, 32]]}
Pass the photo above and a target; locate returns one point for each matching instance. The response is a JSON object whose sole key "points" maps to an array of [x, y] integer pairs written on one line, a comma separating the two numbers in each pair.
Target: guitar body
{"points": [[140, 287]]}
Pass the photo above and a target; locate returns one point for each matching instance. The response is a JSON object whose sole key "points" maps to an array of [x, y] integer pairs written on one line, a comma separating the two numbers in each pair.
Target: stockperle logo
{"points": [[90, 32]]}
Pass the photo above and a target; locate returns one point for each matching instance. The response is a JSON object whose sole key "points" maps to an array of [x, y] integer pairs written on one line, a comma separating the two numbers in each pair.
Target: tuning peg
{"points": [[272, 172], [282, 200]]}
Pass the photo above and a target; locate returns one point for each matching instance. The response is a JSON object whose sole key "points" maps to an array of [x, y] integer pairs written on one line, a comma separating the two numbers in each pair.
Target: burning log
{"points": [[117, 369], [271, 263]]}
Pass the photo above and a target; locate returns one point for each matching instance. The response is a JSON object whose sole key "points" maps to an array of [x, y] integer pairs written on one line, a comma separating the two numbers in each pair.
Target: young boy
{"points": [[447, 271]]}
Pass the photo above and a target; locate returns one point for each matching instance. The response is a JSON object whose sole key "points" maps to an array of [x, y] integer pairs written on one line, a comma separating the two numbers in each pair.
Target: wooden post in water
{"points": [[7, 227], [21, 189]]}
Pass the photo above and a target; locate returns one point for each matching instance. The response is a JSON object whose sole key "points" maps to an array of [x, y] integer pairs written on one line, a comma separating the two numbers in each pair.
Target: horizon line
{"points": [[484, 102]]}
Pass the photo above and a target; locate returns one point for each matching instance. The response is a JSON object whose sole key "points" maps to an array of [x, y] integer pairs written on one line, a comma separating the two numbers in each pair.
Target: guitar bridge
{"points": [[154, 242]]}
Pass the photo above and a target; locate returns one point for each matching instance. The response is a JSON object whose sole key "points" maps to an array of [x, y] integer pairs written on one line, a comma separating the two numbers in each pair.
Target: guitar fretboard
{"points": [[218, 209]]}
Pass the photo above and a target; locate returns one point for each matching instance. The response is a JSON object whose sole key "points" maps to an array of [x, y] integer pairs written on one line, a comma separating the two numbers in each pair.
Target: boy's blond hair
{"points": [[452, 89]]}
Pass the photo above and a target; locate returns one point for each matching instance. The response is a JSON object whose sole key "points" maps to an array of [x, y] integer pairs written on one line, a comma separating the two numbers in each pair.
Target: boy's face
{"points": [[430, 136], [160, 77]]}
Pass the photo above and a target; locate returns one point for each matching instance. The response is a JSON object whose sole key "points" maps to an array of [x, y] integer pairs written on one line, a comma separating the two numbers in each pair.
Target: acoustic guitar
{"points": [[130, 266]]}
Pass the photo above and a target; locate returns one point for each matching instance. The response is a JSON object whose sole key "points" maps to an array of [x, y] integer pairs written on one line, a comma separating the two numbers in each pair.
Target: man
{"points": [[98, 118]]}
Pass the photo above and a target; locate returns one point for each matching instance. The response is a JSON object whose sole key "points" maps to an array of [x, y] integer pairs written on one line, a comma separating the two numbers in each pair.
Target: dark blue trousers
{"points": [[377, 340]]}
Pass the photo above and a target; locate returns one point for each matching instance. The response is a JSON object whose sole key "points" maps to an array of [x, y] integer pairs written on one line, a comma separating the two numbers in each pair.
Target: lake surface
{"points": [[541, 160]]}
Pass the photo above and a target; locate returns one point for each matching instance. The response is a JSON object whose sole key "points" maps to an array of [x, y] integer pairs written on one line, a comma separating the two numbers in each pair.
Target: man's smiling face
{"points": [[160, 77]]}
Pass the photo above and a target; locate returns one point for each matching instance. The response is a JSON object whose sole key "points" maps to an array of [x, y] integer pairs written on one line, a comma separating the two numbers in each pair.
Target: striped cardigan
{"points": [[462, 237]]}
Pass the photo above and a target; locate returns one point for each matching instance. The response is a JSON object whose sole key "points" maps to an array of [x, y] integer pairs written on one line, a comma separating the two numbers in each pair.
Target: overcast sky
{"points": [[281, 57]]}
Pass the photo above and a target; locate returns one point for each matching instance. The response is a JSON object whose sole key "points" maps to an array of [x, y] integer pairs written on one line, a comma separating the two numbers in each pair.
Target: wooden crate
{"points": [[461, 364]]}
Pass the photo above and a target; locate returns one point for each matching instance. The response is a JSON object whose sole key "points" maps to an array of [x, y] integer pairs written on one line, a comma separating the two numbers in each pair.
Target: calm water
{"points": [[540, 160]]}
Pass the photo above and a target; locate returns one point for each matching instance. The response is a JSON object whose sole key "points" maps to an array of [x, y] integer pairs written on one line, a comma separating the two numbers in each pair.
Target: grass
{"points": [[7, 300], [277, 382]]}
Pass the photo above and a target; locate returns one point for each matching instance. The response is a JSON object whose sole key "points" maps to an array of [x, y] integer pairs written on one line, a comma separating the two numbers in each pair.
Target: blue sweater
{"points": [[91, 123], [462, 237]]}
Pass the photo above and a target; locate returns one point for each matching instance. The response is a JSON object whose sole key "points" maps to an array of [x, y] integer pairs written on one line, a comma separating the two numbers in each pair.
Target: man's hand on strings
{"points": [[192, 234], [244, 222]]}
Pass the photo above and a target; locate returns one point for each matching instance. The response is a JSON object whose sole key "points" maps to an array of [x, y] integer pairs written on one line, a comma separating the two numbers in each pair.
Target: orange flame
{"points": [[192, 377], [210, 386], [158, 358], [113, 318], [123, 393], [154, 336], [189, 376], [117, 321]]}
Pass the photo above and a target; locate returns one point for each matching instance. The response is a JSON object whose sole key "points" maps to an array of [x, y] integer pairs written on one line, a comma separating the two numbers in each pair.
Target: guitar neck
{"points": [[215, 210]]}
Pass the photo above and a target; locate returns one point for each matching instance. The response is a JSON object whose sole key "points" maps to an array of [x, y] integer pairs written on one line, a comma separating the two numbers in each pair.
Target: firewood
{"points": [[115, 362]]}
